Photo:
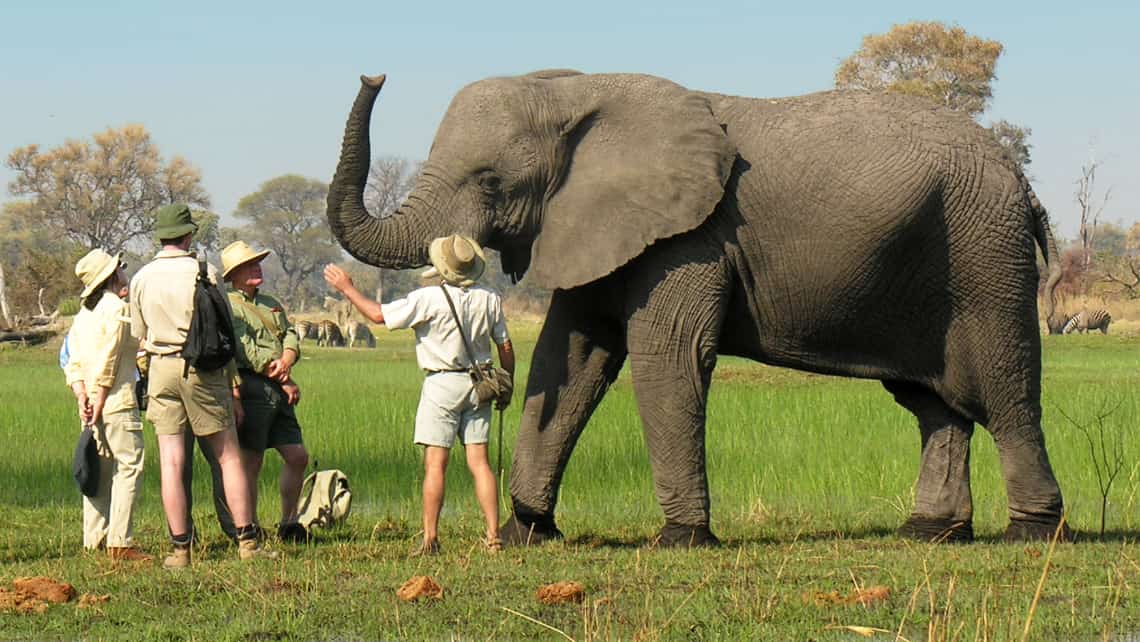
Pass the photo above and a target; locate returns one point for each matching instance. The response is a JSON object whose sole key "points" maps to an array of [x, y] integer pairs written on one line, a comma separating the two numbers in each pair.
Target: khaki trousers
{"points": [[108, 517]]}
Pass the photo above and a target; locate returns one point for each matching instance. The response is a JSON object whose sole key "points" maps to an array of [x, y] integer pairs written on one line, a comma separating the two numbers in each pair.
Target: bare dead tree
{"points": [[1089, 209], [1106, 449], [1130, 283], [390, 180], [4, 311]]}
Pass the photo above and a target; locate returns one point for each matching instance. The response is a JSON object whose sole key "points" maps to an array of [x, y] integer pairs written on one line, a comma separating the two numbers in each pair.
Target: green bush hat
{"points": [[174, 221]]}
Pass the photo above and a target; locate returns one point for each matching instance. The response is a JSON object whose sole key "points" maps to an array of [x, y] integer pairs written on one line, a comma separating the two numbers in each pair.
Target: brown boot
{"points": [[179, 558], [127, 554], [249, 549]]}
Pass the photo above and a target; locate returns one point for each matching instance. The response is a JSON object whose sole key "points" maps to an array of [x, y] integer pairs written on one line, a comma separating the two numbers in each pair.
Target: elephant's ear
{"points": [[647, 160]]}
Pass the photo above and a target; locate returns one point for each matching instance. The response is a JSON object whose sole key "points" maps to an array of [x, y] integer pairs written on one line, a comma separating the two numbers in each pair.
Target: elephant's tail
{"points": [[1044, 235]]}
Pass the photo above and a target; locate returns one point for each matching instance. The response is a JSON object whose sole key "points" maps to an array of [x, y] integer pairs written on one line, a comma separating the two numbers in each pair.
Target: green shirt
{"points": [[263, 331]]}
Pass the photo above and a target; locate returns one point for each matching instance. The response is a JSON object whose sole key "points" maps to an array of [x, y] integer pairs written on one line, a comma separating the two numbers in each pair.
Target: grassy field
{"points": [[809, 477]]}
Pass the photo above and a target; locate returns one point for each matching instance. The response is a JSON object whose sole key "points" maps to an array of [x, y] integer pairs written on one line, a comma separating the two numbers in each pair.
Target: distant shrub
{"points": [[69, 306]]}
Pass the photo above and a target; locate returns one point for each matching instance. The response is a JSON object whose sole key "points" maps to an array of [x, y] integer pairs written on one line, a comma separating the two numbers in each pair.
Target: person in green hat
{"points": [[181, 399]]}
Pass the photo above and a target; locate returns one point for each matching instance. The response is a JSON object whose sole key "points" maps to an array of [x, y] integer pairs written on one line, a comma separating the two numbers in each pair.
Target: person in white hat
{"points": [[448, 408], [101, 372], [268, 347]]}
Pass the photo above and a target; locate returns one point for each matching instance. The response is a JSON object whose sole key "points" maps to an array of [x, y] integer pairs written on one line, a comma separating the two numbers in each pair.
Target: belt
{"points": [[431, 372], [169, 355]]}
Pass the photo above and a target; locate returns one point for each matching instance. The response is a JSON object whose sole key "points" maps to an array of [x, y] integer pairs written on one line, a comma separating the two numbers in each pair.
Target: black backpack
{"points": [[210, 343]]}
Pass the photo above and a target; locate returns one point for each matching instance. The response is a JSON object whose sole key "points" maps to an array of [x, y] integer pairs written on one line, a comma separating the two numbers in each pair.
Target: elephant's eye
{"points": [[489, 183]]}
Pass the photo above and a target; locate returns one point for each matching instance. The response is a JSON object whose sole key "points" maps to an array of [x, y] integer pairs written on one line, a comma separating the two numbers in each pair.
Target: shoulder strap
{"points": [[462, 333], [269, 323]]}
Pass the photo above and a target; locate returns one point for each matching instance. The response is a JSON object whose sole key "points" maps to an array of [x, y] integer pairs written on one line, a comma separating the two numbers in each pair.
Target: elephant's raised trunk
{"points": [[397, 241]]}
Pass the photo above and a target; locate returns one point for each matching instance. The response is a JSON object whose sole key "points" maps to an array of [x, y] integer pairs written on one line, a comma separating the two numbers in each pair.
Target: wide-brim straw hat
{"points": [[239, 253], [94, 268], [173, 221], [458, 259]]}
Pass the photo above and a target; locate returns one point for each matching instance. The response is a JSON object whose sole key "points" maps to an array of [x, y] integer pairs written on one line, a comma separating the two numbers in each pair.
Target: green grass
{"points": [[809, 477]]}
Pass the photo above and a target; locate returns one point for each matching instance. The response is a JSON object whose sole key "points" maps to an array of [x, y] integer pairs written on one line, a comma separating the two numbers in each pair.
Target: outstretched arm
{"points": [[339, 280]]}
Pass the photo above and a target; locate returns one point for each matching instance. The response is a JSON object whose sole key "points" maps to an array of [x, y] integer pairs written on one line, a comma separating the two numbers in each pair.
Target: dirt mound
{"points": [[419, 586], [32, 594], [45, 588], [560, 593]]}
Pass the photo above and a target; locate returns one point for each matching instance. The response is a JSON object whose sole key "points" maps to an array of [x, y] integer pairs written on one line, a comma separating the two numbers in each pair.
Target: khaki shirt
{"points": [[262, 329], [162, 302], [102, 352], [439, 346]]}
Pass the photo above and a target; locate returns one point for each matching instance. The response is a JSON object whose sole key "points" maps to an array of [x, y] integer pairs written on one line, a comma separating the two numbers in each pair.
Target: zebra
{"points": [[1086, 320], [305, 330], [357, 331], [329, 334]]}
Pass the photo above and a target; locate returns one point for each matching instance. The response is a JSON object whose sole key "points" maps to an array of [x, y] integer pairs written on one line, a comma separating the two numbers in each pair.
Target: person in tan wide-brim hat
{"points": [[100, 370], [441, 313], [94, 269], [457, 259], [239, 253]]}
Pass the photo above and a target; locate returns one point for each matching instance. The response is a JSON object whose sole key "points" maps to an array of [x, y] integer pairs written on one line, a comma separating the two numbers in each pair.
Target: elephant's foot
{"points": [[520, 530], [683, 536], [937, 529], [1021, 530]]}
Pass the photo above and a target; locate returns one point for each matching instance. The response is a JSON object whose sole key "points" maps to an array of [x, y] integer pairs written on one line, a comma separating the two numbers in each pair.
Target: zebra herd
{"points": [[1085, 320], [326, 332]]}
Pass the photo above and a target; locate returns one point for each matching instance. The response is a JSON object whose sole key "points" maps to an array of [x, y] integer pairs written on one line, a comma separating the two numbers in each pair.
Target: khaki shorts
{"points": [[449, 409], [202, 402], [269, 419]]}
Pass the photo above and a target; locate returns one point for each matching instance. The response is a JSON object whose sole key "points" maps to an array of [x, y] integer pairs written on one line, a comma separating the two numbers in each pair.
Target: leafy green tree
{"points": [[102, 192], [287, 215], [1014, 140], [928, 59]]}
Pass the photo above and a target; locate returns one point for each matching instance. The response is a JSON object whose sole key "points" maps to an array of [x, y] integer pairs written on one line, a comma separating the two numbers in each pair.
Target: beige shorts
{"points": [[202, 402], [449, 410]]}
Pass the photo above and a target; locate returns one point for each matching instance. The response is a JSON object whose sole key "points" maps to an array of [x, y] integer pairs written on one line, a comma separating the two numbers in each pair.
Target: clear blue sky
{"points": [[248, 91]]}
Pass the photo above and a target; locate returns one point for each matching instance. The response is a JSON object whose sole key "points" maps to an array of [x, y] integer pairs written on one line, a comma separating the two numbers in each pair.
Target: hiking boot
{"points": [[292, 532], [127, 554], [249, 549], [426, 548], [179, 558]]}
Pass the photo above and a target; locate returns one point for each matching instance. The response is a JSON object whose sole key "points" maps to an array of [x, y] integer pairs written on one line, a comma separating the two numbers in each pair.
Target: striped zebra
{"points": [[329, 334], [1086, 320], [357, 331], [305, 330]]}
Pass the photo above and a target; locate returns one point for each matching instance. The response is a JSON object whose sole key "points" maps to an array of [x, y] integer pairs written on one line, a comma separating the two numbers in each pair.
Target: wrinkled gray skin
{"points": [[851, 234]]}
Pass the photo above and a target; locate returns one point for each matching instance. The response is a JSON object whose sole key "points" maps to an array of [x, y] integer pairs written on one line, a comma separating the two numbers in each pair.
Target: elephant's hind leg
{"points": [[943, 506], [578, 354]]}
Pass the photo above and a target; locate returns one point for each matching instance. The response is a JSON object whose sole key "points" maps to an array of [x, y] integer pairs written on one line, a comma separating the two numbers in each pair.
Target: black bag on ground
{"points": [[210, 342]]}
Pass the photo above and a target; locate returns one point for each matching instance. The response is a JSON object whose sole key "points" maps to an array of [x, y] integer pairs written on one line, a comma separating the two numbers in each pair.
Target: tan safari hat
{"points": [[94, 268], [239, 253], [458, 259]]}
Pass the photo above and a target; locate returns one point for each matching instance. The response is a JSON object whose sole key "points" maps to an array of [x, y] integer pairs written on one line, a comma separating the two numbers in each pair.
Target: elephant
{"points": [[850, 233]]}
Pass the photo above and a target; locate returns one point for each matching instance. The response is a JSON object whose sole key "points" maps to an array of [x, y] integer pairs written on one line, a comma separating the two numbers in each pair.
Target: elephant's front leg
{"points": [[578, 354], [672, 342]]}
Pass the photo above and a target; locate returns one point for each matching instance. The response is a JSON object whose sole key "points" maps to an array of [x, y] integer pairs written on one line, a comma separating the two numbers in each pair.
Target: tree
{"points": [[1014, 140], [927, 59], [287, 215], [1090, 211], [36, 262], [101, 193], [390, 180]]}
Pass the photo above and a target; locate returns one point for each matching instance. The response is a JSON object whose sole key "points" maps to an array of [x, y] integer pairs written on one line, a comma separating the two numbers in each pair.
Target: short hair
{"points": [[175, 241]]}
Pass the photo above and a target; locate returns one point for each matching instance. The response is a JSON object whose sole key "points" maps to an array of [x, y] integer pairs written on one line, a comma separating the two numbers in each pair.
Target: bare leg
{"points": [[485, 490], [295, 459], [252, 461], [225, 445], [435, 468], [172, 463]]}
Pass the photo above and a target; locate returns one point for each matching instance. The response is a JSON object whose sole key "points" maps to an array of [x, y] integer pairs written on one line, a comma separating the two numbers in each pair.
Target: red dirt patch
{"points": [[419, 586], [90, 600], [45, 588], [20, 602], [560, 593]]}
